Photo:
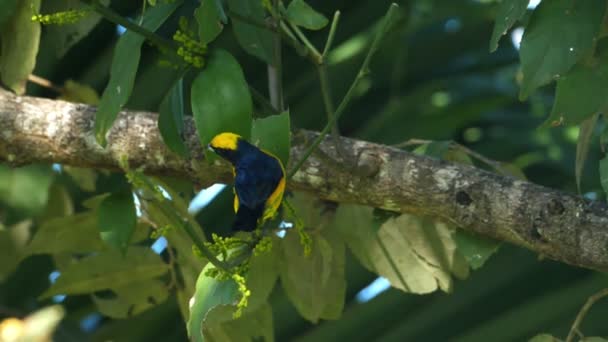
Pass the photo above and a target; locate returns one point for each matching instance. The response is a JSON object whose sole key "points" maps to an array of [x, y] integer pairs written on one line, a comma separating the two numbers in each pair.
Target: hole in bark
{"points": [[463, 198], [555, 207]]}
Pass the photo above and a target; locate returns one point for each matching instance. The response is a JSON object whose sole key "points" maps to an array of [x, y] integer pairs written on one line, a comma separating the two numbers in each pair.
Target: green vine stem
{"points": [[581, 315], [363, 71]]}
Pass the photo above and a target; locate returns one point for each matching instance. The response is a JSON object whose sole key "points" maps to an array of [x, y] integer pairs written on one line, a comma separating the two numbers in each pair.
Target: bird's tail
{"points": [[247, 218]]}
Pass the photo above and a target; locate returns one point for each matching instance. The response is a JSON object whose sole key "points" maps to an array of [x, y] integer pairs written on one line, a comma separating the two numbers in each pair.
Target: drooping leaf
{"points": [[210, 293], [108, 270], [582, 147], [358, 227], [577, 97], [132, 299], [209, 22], [25, 188], [59, 203], [507, 14], [75, 234], [251, 326], [315, 284], [301, 14], [124, 67], [83, 177], [221, 101], [559, 33], [19, 45], [476, 249], [117, 219], [273, 134], [253, 39], [171, 119]]}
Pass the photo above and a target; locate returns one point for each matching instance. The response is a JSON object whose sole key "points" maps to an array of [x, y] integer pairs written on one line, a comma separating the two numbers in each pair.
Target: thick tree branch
{"points": [[561, 226]]}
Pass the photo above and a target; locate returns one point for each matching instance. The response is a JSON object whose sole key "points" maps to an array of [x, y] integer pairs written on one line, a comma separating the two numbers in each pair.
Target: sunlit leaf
{"points": [[117, 219], [85, 178], [19, 40], [25, 188], [476, 249], [251, 326], [108, 270], [132, 299], [301, 14], [79, 93], [559, 33]]}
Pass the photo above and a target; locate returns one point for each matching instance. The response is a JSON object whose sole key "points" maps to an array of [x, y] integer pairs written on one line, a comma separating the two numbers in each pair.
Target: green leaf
{"points": [[79, 93], [59, 203], [508, 12], [543, 338], [108, 270], [560, 32], [604, 174], [209, 21], [8, 8], [124, 67], [19, 45], [315, 284], [251, 326], [171, 119], [12, 244], [209, 294], [117, 219], [26, 188], [415, 255], [262, 275], [221, 101], [253, 39], [132, 299], [593, 339], [577, 97], [85, 178], [76, 234], [476, 249], [582, 147], [301, 14], [273, 134]]}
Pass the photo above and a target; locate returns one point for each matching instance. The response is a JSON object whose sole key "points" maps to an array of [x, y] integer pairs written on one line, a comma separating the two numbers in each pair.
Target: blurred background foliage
{"points": [[432, 78]]}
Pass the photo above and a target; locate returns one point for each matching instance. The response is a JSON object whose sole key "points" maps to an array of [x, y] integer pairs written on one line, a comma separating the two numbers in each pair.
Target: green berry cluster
{"points": [[191, 50], [245, 294], [60, 18], [161, 231]]}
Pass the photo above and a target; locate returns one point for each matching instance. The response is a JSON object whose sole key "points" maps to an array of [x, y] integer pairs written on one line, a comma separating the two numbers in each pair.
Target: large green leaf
{"points": [[210, 293], [117, 219], [578, 94], [560, 32], [476, 249], [124, 67], [132, 299], [19, 44], [25, 188], [414, 255], [221, 101], [171, 119], [251, 326], [108, 270], [75, 234], [301, 14], [209, 22], [273, 134], [253, 39], [508, 13], [262, 275]]}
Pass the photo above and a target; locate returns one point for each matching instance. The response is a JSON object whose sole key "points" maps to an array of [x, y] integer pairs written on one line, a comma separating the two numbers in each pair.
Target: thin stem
{"points": [[43, 82], [384, 26], [117, 19], [311, 48], [581, 315], [326, 93], [275, 71], [330, 36]]}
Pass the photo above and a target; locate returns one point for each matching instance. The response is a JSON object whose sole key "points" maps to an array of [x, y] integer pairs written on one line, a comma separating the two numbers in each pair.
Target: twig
{"points": [[43, 82], [330, 36], [581, 314], [363, 71], [316, 56], [275, 72]]}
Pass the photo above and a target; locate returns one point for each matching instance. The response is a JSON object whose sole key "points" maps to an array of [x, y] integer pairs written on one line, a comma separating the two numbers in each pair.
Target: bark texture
{"points": [[558, 225]]}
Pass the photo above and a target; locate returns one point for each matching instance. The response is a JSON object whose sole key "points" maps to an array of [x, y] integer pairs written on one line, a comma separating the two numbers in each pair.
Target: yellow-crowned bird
{"points": [[259, 180]]}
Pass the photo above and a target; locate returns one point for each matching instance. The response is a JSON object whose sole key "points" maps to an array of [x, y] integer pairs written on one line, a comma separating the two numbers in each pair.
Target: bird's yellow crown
{"points": [[225, 141]]}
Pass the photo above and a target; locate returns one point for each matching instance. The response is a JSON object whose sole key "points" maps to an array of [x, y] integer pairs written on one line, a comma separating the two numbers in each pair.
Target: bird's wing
{"points": [[253, 187]]}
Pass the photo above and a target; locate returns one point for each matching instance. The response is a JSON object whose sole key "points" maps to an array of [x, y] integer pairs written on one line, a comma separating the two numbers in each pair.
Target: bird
{"points": [[259, 180]]}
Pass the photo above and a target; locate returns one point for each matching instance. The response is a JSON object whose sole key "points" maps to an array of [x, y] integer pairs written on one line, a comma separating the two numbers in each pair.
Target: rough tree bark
{"points": [[558, 225]]}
